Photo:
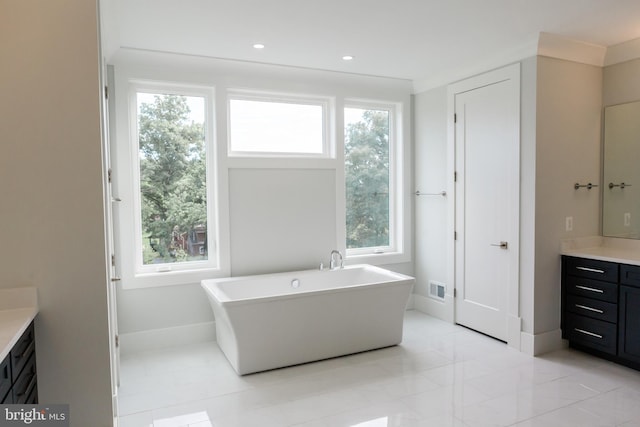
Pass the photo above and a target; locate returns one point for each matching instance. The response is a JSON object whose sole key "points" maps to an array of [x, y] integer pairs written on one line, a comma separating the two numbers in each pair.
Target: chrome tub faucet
{"points": [[336, 263]]}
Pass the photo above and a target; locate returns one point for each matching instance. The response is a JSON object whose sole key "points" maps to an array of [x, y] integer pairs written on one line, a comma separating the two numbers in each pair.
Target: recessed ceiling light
{"points": [[347, 57], [258, 46]]}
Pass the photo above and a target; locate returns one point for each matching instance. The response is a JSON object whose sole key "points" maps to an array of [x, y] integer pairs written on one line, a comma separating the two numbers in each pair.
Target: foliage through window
{"points": [[367, 173], [173, 183]]}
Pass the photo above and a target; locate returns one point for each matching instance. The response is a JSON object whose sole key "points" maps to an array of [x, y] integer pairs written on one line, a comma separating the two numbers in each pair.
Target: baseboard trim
{"points": [[438, 309], [154, 339], [535, 345]]}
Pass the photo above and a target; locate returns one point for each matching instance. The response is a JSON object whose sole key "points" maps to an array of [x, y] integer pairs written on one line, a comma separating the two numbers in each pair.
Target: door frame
{"points": [[510, 72], [108, 200]]}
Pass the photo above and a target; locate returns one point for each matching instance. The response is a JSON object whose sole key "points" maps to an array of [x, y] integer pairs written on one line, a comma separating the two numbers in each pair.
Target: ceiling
{"points": [[405, 39]]}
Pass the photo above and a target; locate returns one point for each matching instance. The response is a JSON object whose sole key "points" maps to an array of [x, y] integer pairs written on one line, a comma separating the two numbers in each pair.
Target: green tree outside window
{"points": [[172, 179], [367, 177]]}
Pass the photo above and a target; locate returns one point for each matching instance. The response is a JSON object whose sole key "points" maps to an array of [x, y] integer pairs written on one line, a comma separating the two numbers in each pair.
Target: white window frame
{"points": [[326, 103], [396, 250], [134, 273]]}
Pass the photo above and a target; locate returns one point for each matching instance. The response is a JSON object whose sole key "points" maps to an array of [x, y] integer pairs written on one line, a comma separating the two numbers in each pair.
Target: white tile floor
{"points": [[441, 375]]}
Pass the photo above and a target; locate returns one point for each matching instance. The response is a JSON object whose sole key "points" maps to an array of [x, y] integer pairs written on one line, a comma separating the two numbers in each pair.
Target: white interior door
{"points": [[487, 205]]}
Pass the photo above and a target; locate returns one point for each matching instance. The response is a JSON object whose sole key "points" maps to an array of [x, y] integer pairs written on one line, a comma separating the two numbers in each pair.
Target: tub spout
{"points": [[336, 263]]}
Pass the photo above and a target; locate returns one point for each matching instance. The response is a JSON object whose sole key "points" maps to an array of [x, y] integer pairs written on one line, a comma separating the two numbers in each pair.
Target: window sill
{"points": [[378, 259], [170, 278], [281, 162]]}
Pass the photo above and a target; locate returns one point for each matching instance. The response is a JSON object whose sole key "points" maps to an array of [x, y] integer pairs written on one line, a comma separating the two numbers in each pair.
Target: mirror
{"points": [[621, 171]]}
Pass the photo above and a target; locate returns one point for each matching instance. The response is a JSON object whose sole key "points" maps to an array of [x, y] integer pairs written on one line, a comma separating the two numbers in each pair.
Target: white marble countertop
{"points": [[18, 307], [623, 251]]}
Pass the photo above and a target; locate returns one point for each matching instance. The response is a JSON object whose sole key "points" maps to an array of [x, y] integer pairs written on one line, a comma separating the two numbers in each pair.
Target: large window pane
{"points": [[173, 184], [276, 127], [367, 177]]}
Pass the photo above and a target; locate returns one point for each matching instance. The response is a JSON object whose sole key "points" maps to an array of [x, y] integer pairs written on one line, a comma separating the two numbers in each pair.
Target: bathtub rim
{"points": [[393, 279]]}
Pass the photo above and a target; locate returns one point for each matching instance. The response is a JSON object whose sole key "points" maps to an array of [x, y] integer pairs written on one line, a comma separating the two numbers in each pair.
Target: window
{"points": [[368, 152], [172, 216], [173, 224], [277, 126]]}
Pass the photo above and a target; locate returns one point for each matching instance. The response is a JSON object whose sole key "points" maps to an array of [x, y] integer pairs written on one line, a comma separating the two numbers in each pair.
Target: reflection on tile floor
{"points": [[441, 375]]}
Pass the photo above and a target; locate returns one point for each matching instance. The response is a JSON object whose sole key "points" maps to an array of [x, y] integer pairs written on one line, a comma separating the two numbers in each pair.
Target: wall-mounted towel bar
{"points": [[442, 193], [621, 185], [588, 186]]}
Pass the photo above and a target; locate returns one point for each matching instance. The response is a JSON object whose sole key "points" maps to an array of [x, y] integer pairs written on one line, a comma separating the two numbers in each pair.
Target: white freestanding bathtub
{"points": [[275, 320]]}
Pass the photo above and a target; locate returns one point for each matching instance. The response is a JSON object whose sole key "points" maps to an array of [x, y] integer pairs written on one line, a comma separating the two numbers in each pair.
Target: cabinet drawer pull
{"points": [[591, 334], [32, 383], [586, 288], [592, 270], [27, 351], [584, 307]]}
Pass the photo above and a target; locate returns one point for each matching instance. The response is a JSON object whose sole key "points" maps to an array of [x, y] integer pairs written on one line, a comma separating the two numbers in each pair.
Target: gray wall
{"points": [[430, 166], [568, 132], [51, 199], [529, 70]]}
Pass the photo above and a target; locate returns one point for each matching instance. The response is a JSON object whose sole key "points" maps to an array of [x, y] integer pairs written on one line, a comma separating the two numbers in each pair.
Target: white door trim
{"points": [[510, 72]]}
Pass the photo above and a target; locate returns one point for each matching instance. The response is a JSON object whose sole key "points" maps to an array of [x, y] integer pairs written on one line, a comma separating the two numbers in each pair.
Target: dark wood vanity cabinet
{"points": [[601, 308], [18, 375], [590, 304], [629, 314]]}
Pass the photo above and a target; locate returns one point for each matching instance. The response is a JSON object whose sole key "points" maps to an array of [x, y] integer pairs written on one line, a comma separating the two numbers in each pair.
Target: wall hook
{"points": [[588, 186]]}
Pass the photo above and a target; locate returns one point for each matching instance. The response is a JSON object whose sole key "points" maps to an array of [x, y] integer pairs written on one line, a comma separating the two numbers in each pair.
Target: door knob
{"points": [[501, 245]]}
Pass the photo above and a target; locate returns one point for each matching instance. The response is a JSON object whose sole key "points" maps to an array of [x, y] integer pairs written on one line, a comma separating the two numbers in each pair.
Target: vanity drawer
{"points": [[592, 269], [21, 352], [603, 291], [5, 378], [630, 275], [593, 308], [592, 333], [26, 384]]}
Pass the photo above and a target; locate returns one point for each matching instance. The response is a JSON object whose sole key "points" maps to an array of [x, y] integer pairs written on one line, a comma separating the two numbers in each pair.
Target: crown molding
{"points": [[622, 52], [554, 46]]}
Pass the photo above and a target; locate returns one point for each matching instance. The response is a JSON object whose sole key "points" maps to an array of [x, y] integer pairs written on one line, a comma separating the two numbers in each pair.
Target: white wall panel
{"points": [[281, 219]]}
